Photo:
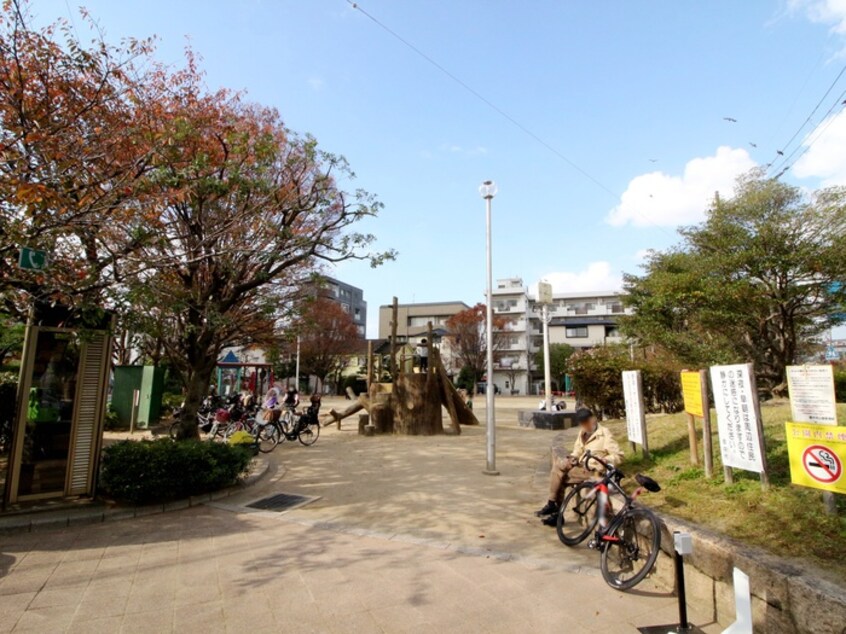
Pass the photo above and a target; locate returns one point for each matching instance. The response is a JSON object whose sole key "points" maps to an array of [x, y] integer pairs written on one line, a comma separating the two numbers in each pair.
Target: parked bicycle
{"points": [[628, 541]]}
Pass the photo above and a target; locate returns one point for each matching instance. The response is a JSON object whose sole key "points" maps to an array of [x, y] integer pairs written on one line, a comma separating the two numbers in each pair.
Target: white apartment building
{"points": [[582, 320]]}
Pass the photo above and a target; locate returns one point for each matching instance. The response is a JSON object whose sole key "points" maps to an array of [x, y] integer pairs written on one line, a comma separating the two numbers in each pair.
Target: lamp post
{"points": [[297, 365], [545, 298], [488, 191]]}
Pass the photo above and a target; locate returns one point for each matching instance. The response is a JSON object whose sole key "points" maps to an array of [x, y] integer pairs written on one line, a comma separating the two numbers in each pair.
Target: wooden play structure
{"points": [[413, 403]]}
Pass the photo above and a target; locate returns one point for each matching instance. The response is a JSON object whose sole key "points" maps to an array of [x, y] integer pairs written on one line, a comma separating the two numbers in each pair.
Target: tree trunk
{"points": [[196, 391], [417, 405]]}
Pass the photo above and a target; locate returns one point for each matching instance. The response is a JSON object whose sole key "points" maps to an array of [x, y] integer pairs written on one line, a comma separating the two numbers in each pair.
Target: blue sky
{"points": [[635, 94]]}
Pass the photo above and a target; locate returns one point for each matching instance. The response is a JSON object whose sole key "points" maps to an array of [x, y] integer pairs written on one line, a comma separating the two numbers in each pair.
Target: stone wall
{"points": [[786, 595]]}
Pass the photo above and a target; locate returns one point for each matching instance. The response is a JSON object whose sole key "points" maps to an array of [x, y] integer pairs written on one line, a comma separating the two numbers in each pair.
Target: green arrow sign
{"points": [[32, 259]]}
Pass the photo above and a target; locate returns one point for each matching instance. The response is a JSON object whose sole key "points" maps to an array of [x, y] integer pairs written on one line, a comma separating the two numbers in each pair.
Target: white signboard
{"points": [[737, 417], [544, 293], [812, 394], [635, 416]]}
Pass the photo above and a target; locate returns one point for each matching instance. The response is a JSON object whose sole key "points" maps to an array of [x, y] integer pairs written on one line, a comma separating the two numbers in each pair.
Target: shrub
{"points": [[598, 382], [840, 386], [112, 420], [171, 400], [141, 472]]}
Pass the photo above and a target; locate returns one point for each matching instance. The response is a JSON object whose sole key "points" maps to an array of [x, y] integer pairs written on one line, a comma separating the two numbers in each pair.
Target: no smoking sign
{"points": [[817, 455], [822, 464]]}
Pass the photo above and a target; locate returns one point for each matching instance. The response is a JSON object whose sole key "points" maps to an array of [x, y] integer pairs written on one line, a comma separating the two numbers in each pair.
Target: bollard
{"points": [[682, 545]]}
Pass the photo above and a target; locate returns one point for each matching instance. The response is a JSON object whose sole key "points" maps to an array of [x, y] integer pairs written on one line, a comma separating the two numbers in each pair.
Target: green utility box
{"points": [[149, 381]]}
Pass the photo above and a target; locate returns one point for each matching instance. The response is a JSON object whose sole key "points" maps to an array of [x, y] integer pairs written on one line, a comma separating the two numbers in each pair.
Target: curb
{"points": [[50, 520]]}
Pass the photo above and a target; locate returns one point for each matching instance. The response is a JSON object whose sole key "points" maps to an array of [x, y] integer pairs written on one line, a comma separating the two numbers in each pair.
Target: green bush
{"points": [[840, 386], [170, 401], [142, 472], [111, 421], [598, 381]]}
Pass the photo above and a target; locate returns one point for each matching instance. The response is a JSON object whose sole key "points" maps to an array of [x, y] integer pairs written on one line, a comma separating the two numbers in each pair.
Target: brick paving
{"points": [[408, 536]]}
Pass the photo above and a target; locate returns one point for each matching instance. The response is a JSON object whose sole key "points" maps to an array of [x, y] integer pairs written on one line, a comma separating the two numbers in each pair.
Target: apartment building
{"points": [[581, 320], [350, 298], [413, 319]]}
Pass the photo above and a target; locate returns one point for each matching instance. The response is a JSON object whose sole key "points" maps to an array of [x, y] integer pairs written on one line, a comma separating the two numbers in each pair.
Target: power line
{"points": [[485, 100], [780, 155]]}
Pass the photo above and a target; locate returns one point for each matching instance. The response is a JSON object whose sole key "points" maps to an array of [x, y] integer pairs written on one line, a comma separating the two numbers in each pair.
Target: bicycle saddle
{"points": [[647, 483]]}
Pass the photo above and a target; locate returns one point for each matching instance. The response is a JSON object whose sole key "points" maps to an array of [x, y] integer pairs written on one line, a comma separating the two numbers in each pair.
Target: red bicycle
{"points": [[628, 541]]}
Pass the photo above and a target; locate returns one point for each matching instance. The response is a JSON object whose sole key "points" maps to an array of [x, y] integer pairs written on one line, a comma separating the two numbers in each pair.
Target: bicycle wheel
{"points": [[308, 434], [268, 437], [631, 548], [577, 518], [174, 430]]}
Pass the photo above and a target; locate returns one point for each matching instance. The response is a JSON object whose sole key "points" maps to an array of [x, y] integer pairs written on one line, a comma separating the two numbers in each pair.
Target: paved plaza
{"points": [[407, 536]]}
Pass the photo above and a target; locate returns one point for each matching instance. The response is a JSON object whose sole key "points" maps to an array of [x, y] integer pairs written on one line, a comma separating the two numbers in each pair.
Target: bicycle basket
{"points": [[647, 483]]}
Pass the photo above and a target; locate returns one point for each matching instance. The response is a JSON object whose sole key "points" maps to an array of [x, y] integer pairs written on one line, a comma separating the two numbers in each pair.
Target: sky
{"points": [[605, 125]]}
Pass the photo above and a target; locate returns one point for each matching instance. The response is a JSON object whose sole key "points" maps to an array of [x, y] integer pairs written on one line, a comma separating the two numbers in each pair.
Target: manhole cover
{"points": [[280, 502]]}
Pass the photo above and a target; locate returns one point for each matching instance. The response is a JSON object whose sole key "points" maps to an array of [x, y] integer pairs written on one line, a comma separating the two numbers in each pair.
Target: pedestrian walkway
{"points": [[407, 536]]}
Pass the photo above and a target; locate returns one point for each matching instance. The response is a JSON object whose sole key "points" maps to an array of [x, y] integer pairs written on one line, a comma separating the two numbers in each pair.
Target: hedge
{"points": [[598, 382], [840, 386], [143, 472]]}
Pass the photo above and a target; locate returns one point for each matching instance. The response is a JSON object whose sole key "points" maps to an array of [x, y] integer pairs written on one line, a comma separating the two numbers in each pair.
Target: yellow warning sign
{"points": [[692, 393], [817, 455]]}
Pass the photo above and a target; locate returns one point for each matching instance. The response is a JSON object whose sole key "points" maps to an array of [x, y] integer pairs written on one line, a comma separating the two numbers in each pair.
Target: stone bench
{"points": [[536, 419]]}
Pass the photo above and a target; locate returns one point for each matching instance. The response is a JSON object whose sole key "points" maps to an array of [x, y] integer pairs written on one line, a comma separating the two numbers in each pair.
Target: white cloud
{"points": [[831, 12], [598, 276], [659, 199], [826, 158], [316, 83]]}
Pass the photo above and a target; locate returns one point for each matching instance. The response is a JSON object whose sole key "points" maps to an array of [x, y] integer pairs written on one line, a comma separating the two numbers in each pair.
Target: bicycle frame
{"points": [[605, 527]]}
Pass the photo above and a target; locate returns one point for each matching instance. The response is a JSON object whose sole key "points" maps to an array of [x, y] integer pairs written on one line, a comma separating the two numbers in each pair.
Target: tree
{"points": [[328, 335], [251, 209], [75, 151], [468, 340], [758, 281], [11, 337], [559, 354]]}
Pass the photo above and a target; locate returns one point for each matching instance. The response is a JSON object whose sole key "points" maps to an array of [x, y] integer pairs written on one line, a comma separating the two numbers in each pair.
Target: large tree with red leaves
{"points": [[328, 335], [468, 341]]}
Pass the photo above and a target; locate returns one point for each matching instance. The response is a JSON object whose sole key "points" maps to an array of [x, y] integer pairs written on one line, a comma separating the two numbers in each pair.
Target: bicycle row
{"points": [[271, 424]]}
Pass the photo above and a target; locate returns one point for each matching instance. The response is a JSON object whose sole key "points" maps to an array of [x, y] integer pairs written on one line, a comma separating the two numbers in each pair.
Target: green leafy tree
{"points": [[758, 281], [11, 337], [559, 354]]}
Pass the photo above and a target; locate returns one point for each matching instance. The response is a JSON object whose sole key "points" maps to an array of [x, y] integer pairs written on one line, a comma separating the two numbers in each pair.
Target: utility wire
{"points": [[485, 100], [808, 119], [828, 120]]}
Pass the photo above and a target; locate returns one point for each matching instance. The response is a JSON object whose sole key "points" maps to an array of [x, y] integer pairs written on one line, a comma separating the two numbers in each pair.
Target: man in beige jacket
{"points": [[566, 469]]}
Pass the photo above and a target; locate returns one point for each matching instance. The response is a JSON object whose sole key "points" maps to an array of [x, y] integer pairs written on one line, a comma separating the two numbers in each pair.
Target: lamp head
{"points": [[488, 190]]}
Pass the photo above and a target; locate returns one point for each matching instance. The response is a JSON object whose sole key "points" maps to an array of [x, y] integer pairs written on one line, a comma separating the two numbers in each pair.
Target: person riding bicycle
{"points": [[566, 468], [292, 398]]}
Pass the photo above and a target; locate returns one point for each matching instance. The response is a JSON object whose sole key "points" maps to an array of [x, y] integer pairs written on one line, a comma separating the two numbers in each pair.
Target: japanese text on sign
{"points": [[811, 390], [737, 417], [817, 455]]}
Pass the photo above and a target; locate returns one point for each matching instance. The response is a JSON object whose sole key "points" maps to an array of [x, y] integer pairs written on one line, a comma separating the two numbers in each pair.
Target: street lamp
{"points": [[545, 299], [488, 191]]}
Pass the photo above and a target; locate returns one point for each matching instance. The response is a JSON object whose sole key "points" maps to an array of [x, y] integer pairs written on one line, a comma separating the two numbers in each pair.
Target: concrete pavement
{"points": [[407, 536]]}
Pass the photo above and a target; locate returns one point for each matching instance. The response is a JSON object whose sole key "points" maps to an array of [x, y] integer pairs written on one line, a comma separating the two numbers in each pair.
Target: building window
{"points": [[577, 332], [358, 313]]}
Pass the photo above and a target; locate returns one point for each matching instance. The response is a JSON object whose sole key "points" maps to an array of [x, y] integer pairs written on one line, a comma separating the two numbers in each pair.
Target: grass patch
{"points": [[787, 520]]}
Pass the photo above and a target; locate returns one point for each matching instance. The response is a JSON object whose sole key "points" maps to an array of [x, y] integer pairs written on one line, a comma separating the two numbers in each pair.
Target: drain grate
{"points": [[280, 502]]}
